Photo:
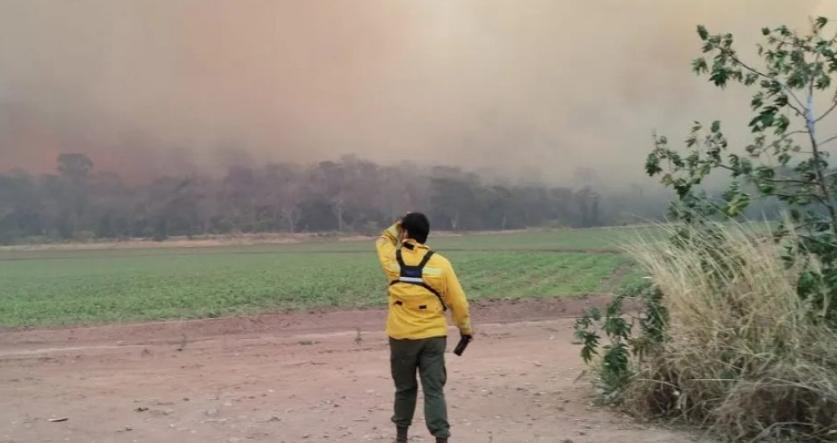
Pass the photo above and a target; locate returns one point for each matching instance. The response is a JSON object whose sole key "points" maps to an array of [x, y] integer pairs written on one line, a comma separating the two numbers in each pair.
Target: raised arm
{"points": [[386, 245]]}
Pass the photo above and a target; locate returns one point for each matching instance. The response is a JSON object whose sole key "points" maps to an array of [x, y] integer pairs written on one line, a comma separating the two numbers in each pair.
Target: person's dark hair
{"points": [[417, 225]]}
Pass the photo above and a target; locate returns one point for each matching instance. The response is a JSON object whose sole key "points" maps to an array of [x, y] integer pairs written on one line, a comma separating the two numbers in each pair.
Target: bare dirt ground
{"points": [[299, 377]]}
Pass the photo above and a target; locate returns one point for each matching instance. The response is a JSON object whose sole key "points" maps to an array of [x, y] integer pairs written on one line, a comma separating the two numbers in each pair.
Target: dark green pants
{"points": [[428, 357]]}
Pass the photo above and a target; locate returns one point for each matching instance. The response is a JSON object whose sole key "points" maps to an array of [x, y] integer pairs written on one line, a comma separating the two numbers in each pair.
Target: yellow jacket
{"points": [[416, 312]]}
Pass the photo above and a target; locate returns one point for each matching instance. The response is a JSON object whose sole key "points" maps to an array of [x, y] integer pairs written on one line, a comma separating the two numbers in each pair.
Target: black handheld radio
{"points": [[463, 343]]}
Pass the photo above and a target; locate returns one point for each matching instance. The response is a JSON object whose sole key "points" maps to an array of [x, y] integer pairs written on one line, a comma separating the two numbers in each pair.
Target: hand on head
{"points": [[402, 233]]}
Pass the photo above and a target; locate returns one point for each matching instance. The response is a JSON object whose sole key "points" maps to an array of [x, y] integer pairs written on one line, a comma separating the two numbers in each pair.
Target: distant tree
{"points": [[74, 170], [74, 166], [349, 194], [20, 207], [240, 189], [497, 201], [110, 201]]}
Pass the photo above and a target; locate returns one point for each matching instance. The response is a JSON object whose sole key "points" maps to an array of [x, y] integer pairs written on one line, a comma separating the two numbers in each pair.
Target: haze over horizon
{"points": [[538, 89]]}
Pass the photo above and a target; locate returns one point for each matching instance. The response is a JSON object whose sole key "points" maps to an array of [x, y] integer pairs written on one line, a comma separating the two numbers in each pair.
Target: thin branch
{"points": [[816, 197], [797, 110], [734, 58], [788, 134], [786, 180], [833, 105], [731, 54], [829, 139]]}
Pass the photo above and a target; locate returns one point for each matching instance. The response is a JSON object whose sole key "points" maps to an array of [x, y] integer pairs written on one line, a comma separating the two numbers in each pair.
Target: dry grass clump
{"points": [[743, 353]]}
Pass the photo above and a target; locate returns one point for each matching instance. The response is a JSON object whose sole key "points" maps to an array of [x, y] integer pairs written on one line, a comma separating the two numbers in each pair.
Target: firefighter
{"points": [[422, 287]]}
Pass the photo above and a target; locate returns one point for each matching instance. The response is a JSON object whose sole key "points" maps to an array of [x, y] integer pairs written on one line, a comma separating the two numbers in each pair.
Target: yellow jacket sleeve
{"points": [[386, 245], [456, 301]]}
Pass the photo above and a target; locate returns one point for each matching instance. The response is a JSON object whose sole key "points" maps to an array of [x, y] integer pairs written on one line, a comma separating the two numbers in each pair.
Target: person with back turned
{"points": [[422, 287]]}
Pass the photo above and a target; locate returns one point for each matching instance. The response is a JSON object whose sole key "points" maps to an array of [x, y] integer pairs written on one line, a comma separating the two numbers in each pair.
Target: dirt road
{"points": [[318, 377]]}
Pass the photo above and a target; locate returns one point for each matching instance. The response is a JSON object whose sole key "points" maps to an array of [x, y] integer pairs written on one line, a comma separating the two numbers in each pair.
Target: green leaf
{"points": [[699, 66], [696, 127], [693, 159], [652, 165], [727, 40], [737, 205], [765, 172], [757, 101], [781, 125], [616, 327], [820, 22], [702, 32], [690, 141], [798, 78], [716, 127], [765, 31], [745, 166], [719, 76], [784, 158], [765, 119], [781, 101]]}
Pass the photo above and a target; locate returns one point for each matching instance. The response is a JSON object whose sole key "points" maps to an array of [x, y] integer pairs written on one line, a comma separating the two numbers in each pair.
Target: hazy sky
{"points": [[523, 87]]}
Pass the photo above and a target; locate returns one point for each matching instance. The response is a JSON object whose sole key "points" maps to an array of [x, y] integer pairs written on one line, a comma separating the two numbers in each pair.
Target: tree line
{"points": [[349, 195]]}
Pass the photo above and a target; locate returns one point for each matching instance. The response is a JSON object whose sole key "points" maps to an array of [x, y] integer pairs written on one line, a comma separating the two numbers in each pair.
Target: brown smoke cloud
{"points": [[541, 88]]}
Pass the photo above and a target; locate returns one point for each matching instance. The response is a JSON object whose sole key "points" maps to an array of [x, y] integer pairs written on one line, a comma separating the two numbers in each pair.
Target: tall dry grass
{"points": [[744, 355]]}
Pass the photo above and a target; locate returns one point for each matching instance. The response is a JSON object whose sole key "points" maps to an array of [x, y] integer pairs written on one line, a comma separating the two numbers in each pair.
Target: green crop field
{"points": [[117, 285]]}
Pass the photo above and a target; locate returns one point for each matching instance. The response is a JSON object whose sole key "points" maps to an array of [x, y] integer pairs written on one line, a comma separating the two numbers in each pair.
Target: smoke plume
{"points": [[538, 88]]}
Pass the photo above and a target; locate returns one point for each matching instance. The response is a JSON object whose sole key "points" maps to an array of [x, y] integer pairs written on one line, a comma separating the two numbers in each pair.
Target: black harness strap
{"points": [[415, 273]]}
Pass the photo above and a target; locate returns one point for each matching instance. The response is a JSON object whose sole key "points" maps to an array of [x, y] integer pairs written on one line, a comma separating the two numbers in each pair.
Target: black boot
{"points": [[401, 436]]}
